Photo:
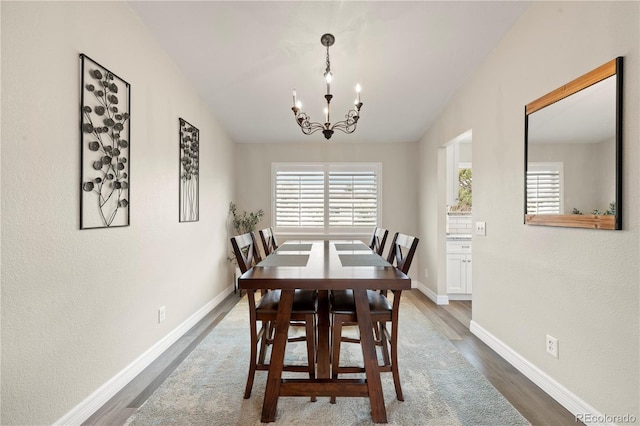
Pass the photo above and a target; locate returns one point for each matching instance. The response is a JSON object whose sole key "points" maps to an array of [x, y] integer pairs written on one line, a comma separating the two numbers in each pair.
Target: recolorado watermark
{"points": [[589, 418]]}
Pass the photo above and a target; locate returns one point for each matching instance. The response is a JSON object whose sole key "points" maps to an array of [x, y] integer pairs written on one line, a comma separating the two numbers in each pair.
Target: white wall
{"points": [[80, 306], [578, 285]]}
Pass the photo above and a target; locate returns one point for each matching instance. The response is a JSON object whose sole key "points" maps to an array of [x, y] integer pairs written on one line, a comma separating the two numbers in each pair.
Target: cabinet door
{"points": [[468, 274], [456, 273]]}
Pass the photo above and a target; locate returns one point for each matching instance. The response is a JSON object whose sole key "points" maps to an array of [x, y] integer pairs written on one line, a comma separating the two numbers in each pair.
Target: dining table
{"points": [[324, 266]]}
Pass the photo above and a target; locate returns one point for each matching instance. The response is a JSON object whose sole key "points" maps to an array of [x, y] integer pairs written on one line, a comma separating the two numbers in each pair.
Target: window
{"points": [[464, 196], [299, 198], [326, 198], [544, 188]]}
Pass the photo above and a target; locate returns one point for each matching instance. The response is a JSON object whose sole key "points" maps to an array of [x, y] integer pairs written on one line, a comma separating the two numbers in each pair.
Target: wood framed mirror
{"points": [[573, 153]]}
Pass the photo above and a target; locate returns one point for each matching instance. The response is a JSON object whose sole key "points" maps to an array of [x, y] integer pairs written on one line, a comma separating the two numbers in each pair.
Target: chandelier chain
{"points": [[328, 70]]}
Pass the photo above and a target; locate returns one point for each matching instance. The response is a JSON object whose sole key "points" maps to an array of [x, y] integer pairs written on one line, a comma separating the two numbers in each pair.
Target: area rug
{"points": [[440, 387]]}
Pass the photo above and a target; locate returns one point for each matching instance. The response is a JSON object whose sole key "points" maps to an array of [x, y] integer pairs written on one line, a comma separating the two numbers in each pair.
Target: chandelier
{"points": [[348, 125]]}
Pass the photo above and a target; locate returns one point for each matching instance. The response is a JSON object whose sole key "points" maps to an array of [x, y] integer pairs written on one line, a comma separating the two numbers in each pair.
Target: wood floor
{"points": [[451, 320]]}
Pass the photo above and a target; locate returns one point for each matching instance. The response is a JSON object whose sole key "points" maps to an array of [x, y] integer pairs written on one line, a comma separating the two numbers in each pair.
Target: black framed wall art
{"points": [[189, 202], [105, 150]]}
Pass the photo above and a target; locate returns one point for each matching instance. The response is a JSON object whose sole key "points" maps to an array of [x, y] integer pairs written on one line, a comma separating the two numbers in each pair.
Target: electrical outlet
{"points": [[162, 314], [481, 228], [552, 346]]}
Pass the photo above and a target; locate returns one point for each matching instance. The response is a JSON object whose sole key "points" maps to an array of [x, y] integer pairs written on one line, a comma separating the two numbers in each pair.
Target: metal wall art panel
{"points": [[105, 152], [189, 172]]}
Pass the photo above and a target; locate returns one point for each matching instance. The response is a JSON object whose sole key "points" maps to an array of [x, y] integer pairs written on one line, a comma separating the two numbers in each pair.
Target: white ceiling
{"points": [[246, 57]]}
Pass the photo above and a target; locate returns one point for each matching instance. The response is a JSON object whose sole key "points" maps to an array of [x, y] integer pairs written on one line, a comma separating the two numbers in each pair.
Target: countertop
{"points": [[458, 237]]}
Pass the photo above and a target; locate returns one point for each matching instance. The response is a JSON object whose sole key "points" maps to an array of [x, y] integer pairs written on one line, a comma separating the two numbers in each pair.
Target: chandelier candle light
{"points": [[351, 118]]}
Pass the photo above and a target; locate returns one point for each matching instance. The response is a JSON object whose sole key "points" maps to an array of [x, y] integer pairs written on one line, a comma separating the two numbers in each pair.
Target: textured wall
{"points": [[578, 285], [79, 306]]}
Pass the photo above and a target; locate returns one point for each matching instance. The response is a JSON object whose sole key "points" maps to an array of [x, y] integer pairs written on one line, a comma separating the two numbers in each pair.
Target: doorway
{"points": [[457, 211]]}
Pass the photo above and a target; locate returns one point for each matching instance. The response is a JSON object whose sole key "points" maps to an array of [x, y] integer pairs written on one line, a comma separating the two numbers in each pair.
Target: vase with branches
{"points": [[245, 222]]}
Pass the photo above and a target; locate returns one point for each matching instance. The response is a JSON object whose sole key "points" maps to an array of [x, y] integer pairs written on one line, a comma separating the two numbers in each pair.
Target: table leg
{"points": [[324, 363], [376, 398], [274, 379]]}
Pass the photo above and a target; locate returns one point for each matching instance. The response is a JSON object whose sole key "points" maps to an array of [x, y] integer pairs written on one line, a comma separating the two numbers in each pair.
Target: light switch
{"points": [[481, 228]]}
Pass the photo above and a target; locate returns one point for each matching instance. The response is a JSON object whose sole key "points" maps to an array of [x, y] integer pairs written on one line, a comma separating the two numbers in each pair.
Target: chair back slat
{"points": [[246, 251], [378, 240], [269, 243], [403, 247]]}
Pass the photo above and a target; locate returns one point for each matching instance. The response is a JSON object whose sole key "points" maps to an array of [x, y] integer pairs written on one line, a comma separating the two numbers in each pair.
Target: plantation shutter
{"points": [[544, 190], [299, 199], [326, 198], [353, 199]]}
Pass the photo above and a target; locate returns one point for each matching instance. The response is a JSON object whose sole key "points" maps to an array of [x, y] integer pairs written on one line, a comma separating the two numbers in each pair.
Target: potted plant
{"points": [[245, 222]]}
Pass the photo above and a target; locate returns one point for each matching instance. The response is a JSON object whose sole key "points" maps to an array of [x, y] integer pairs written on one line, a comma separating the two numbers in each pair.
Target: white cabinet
{"points": [[459, 267]]}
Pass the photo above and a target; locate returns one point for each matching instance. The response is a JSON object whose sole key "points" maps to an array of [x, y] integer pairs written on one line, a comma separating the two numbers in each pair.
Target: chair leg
{"points": [[266, 336], [376, 333], [311, 347], [336, 336], [382, 330], [394, 360], [252, 360]]}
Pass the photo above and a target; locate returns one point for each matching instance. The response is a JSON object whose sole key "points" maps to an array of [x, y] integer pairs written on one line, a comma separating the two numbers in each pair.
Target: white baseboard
{"points": [[562, 395], [461, 296], [104, 393], [437, 299]]}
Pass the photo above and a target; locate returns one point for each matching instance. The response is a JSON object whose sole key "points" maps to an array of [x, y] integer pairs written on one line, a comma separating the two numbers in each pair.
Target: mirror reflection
{"points": [[572, 149], [572, 146]]}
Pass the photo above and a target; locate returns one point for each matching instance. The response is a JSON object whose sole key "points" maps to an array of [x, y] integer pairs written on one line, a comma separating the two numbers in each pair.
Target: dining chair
{"points": [[303, 312], [378, 239], [383, 310], [269, 243]]}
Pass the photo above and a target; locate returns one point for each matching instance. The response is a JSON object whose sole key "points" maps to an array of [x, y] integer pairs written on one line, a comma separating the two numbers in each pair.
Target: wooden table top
{"points": [[324, 265]]}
